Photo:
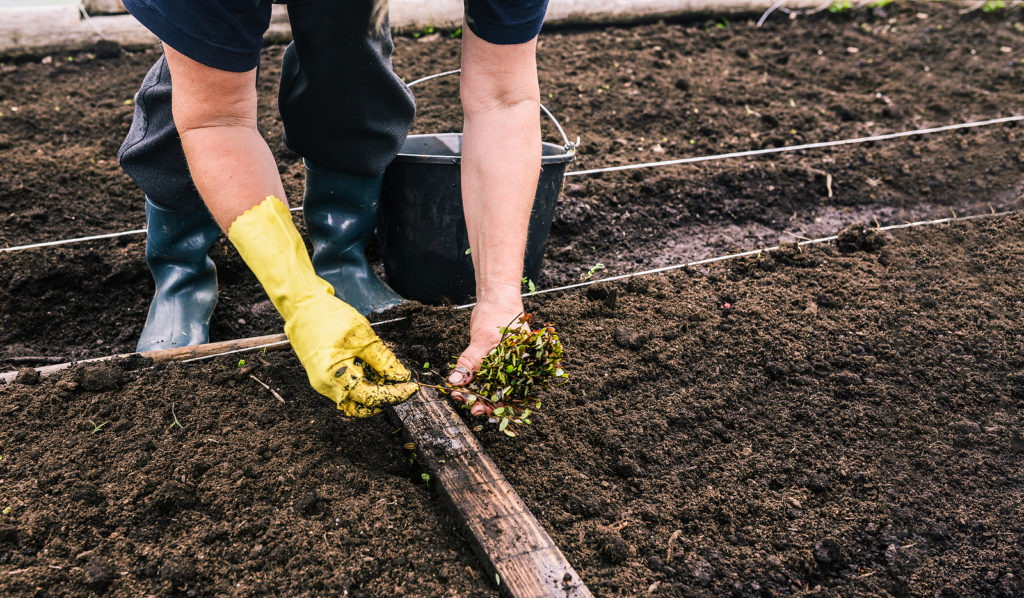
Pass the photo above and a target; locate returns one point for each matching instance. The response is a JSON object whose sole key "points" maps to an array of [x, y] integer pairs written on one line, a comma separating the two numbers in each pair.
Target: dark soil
{"points": [[850, 423]]}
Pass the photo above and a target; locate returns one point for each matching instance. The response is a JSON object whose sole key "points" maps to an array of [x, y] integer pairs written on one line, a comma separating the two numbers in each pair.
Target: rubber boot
{"points": [[186, 278], [341, 213]]}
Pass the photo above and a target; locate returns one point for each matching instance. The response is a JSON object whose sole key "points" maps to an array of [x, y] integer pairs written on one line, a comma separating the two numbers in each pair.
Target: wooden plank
{"points": [[506, 537]]}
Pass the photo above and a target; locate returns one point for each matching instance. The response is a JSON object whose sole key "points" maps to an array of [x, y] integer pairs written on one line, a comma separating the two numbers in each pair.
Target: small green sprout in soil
{"points": [[175, 417], [426, 479], [97, 427], [590, 273], [530, 285], [505, 388], [426, 31]]}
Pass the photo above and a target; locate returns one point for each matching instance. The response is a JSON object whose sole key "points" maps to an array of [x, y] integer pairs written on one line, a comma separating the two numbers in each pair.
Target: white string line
{"points": [[731, 256], [754, 252], [759, 152], [125, 233], [88, 18], [770, 10], [803, 146], [434, 76]]}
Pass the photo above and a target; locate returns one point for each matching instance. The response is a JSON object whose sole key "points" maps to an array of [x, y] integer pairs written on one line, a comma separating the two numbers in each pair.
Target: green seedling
{"points": [[7, 510], [529, 285], [840, 6], [993, 6], [426, 365], [426, 479], [590, 273], [97, 427], [469, 250], [426, 31], [456, 34], [175, 417], [241, 363], [505, 388]]}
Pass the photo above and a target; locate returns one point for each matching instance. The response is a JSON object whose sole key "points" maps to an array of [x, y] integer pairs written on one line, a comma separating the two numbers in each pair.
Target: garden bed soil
{"points": [[850, 422], [842, 420]]}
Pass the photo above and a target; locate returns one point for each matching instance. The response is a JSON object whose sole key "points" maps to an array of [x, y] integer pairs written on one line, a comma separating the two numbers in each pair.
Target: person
{"points": [[195, 151]]}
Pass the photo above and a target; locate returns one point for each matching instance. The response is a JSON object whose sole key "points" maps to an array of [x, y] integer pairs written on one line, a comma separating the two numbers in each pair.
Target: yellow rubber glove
{"points": [[331, 338]]}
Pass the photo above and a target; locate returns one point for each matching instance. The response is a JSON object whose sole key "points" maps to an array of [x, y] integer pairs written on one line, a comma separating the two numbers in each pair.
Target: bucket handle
{"points": [[569, 146]]}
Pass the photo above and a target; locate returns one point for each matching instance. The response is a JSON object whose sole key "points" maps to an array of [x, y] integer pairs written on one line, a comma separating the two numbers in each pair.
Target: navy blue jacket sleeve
{"points": [[505, 21]]}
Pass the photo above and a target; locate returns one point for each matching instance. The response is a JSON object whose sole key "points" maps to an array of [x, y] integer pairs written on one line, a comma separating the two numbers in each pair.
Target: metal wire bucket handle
{"points": [[569, 146]]}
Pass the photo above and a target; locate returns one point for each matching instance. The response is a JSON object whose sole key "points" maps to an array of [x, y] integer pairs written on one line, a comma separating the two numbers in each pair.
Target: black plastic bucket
{"points": [[422, 229]]}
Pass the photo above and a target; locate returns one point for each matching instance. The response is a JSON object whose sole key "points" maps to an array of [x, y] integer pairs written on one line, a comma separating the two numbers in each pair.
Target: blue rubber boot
{"points": [[340, 211], [186, 278]]}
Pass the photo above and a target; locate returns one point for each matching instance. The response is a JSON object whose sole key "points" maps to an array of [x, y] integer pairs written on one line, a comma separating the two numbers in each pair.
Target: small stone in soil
{"points": [[819, 483], [628, 338], [701, 570], [179, 571], [8, 533], [612, 548], [100, 378], [98, 572], [27, 376], [827, 553], [654, 563], [308, 503]]}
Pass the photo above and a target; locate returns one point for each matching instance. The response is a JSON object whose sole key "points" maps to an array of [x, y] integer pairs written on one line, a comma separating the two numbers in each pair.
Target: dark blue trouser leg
{"points": [[347, 113]]}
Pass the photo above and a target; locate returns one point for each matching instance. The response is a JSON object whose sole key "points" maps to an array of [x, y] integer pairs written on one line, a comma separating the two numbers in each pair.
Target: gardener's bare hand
{"points": [[336, 344], [489, 316]]}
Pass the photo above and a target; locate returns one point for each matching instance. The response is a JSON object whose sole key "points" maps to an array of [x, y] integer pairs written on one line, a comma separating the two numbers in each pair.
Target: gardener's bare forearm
{"points": [[501, 163], [501, 159], [215, 114]]}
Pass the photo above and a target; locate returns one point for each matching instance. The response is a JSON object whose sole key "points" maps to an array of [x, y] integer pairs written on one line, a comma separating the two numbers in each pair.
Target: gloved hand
{"points": [[330, 338]]}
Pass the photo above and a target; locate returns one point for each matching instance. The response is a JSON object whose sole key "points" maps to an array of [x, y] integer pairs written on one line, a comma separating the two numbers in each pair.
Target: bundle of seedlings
{"points": [[524, 363]]}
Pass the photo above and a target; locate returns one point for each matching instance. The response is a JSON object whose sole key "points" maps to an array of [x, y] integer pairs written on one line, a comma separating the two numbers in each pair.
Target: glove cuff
{"points": [[270, 245]]}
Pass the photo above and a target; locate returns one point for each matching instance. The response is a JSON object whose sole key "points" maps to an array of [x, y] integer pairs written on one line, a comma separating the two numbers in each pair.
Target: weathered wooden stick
{"points": [[179, 354], [508, 540], [31, 359]]}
